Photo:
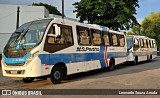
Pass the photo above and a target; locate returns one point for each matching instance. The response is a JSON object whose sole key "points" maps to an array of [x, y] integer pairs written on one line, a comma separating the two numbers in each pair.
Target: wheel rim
{"points": [[57, 75]]}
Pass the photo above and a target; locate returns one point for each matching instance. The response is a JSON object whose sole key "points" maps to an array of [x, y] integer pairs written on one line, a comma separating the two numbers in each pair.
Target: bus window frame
{"points": [[141, 42], [59, 32], [51, 48], [78, 35], [145, 43], [109, 36], [136, 45], [91, 29], [117, 40]]}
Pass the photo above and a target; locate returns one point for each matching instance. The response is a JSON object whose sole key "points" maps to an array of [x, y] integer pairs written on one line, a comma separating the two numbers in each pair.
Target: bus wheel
{"points": [[150, 59], [136, 61], [28, 80], [111, 65], [56, 75]]}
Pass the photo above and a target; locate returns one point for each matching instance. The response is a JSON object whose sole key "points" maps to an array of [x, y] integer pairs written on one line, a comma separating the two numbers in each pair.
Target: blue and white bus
{"points": [[59, 47], [141, 48]]}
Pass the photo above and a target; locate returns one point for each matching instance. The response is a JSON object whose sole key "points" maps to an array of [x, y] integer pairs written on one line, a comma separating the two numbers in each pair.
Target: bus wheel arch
{"points": [[58, 73], [111, 64]]}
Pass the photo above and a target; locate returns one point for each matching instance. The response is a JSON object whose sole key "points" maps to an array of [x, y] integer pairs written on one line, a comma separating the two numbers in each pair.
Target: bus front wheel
{"points": [[56, 75]]}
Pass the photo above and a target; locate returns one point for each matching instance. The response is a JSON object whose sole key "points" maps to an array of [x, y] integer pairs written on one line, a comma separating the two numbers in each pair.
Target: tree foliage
{"points": [[136, 30], [50, 8], [111, 13], [130, 33], [151, 26]]}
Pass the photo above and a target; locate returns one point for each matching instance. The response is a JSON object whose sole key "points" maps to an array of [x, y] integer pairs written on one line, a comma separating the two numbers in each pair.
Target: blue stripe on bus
{"points": [[52, 59], [20, 60]]}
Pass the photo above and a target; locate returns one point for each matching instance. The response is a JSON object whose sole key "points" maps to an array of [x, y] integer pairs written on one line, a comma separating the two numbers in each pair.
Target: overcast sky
{"points": [[146, 6]]}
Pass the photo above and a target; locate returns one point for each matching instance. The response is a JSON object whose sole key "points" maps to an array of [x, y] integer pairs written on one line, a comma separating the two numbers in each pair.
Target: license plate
{"points": [[13, 72]]}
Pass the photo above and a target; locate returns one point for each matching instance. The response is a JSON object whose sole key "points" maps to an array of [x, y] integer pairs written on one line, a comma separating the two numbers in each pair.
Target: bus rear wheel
{"points": [[150, 59], [56, 75], [135, 61], [111, 65], [28, 80]]}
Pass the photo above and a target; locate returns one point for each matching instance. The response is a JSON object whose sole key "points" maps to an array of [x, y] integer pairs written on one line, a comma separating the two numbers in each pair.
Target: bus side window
{"points": [[66, 35], [148, 44], [115, 40], [142, 43], [96, 37], [154, 44], [145, 43], [83, 36], [106, 38], [121, 40], [136, 44], [151, 43]]}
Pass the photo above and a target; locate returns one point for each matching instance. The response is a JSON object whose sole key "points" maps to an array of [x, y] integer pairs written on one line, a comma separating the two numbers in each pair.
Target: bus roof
{"points": [[94, 26]]}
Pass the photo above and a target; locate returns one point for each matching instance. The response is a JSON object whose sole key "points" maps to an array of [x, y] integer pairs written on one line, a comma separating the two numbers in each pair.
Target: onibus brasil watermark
{"points": [[21, 92], [18, 92]]}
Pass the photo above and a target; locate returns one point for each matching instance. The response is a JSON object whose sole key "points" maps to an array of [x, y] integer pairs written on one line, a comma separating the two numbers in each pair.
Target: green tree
{"points": [[136, 30], [111, 13], [151, 26], [130, 33], [50, 8]]}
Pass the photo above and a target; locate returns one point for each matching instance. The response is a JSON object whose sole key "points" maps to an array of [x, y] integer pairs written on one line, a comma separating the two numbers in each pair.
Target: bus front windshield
{"points": [[129, 43], [28, 35]]}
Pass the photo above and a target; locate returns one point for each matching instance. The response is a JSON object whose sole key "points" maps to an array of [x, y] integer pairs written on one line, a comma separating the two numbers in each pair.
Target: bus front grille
{"points": [[15, 64], [14, 55]]}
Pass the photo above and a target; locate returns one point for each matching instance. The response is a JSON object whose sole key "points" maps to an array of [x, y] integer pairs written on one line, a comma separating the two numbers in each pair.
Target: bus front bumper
{"points": [[33, 69]]}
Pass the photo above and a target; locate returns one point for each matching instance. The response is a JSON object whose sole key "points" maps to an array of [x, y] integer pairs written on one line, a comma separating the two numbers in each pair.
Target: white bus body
{"points": [[141, 48], [63, 47]]}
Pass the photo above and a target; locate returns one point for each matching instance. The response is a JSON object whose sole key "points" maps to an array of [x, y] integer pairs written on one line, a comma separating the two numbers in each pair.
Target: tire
{"points": [[135, 61], [111, 65], [150, 59], [56, 75], [28, 80]]}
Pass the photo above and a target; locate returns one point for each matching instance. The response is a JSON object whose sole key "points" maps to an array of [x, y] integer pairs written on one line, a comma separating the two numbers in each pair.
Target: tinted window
{"points": [[121, 40], [115, 40], [65, 36], [142, 43], [145, 43], [96, 37], [106, 38], [136, 43], [83, 36]]}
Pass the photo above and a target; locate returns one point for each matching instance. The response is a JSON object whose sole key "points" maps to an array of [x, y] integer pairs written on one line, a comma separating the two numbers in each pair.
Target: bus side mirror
{"points": [[135, 42], [51, 39]]}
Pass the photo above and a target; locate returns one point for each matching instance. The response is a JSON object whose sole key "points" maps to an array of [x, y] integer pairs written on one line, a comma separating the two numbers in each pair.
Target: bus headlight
{"points": [[31, 57]]}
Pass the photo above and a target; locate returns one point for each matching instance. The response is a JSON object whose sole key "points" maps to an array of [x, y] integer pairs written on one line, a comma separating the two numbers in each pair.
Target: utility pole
{"points": [[62, 8], [17, 24]]}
